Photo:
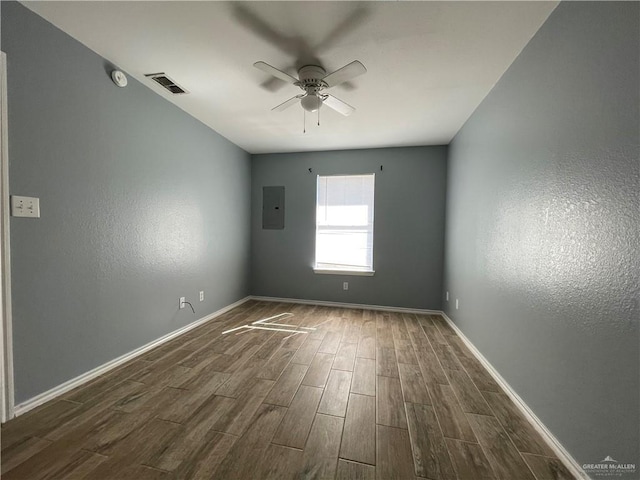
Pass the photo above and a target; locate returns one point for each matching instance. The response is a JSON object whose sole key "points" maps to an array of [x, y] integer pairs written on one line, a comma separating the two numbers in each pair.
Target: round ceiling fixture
{"points": [[119, 78], [311, 103]]}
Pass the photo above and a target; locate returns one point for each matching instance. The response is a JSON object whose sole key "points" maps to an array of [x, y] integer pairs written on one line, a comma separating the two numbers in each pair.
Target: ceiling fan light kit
{"points": [[313, 80], [310, 103]]}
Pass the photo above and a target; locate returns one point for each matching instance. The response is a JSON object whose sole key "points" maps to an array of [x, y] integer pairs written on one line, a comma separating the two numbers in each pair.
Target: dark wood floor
{"points": [[365, 395]]}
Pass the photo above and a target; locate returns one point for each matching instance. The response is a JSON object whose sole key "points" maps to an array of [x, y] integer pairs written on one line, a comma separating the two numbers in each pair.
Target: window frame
{"points": [[343, 271]]}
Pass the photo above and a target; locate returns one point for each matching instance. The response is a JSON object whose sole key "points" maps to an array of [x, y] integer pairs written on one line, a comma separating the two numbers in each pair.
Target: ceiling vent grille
{"points": [[165, 82]]}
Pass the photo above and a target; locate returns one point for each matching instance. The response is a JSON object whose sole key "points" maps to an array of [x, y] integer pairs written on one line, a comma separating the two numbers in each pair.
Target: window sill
{"points": [[362, 273]]}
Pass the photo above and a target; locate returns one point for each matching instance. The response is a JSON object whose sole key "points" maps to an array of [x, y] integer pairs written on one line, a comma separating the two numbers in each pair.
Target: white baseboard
{"points": [[565, 457], [104, 368], [347, 305]]}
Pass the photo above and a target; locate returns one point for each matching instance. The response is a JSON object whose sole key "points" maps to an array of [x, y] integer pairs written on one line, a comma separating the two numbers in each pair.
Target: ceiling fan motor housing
{"points": [[310, 79]]}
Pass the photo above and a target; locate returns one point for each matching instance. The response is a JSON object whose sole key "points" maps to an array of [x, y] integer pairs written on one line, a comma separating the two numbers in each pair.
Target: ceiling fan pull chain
{"points": [[319, 103], [304, 121]]}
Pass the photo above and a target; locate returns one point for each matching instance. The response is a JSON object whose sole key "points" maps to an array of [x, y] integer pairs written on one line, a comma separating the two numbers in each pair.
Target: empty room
{"points": [[320, 240]]}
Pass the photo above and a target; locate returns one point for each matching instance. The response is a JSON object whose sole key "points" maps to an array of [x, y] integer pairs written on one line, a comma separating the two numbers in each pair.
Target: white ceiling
{"points": [[429, 63]]}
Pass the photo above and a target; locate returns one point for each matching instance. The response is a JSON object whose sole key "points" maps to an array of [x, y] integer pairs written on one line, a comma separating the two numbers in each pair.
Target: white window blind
{"points": [[344, 222]]}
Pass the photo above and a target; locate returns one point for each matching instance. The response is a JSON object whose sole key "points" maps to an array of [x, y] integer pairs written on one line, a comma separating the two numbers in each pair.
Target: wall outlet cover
{"points": [[25, 206]]}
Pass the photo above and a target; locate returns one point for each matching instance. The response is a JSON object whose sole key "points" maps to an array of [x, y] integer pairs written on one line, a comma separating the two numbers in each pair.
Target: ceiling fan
{"points": [[313, 80]]}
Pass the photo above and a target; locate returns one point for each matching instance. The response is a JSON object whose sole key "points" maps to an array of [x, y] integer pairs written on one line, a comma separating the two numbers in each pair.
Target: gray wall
{"points": [[141, 204], [408, 227], [542, 228]]}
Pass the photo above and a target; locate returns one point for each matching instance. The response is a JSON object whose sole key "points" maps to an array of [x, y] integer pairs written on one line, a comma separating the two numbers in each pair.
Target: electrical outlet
{"points": [[345, 285], [447, 296], [202, 295], [182, 300], [457, 304], [25, 206]]}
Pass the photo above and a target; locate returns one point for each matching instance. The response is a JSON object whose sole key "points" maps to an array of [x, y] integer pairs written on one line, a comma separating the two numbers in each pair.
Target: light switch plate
{"points": [[25, 206]]}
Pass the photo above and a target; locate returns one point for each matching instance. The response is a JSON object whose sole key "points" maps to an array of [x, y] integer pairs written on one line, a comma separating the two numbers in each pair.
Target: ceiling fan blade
{"points": [[346, 27], [287, 104], [265, 67], [338, 105], [252, 22], [345, 73]]}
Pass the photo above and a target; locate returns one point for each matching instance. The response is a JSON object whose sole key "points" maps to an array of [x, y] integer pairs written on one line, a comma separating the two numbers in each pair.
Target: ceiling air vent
{"points": [[165, 82]]}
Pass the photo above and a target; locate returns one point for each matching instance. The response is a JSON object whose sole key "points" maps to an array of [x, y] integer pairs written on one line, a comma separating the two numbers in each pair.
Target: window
{"points": [[344, 224]]}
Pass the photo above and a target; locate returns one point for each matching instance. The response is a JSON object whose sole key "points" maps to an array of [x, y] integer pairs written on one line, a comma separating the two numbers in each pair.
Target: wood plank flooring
{"points": [[366, 395]]}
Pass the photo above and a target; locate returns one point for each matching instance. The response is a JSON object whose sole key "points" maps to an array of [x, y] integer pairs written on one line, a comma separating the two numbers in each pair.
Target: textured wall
{"points": [[408, 227], [542, 228], [141, 204]]}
